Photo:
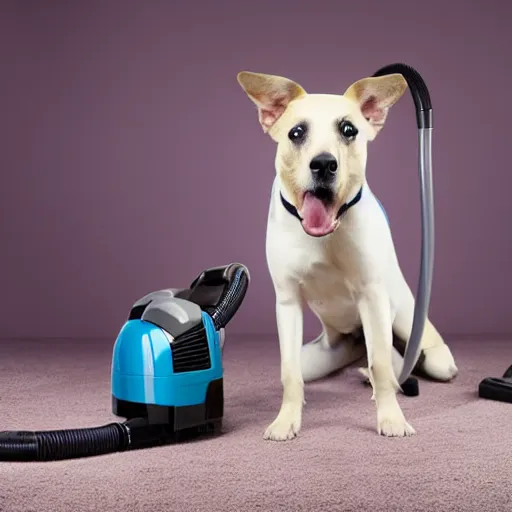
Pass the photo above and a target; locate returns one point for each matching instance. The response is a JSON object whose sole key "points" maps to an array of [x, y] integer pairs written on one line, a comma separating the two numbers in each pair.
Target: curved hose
{"points": [[220, 291], [233, 296], [423, 106]]}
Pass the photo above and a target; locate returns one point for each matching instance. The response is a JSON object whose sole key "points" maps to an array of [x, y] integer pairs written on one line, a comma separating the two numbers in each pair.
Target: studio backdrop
{"points": [[131, 160]]}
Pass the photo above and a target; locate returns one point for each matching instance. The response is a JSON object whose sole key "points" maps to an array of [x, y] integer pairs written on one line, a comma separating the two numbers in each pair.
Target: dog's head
{"points": [[321, 139]]}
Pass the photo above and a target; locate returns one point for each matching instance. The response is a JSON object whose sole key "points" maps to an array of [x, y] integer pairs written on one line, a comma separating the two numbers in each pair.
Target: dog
{"points": [[329, 245]]}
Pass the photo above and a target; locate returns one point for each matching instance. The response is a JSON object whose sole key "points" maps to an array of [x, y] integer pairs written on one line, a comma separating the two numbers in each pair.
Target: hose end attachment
{"points": [[424, 119]]}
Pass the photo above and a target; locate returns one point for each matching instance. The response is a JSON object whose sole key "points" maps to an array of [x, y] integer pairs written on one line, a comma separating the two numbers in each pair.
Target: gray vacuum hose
{"points": [[423, 107]]}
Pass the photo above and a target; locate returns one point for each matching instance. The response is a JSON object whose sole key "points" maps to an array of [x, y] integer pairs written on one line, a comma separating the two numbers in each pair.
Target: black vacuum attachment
{"points": [[497, 389]]}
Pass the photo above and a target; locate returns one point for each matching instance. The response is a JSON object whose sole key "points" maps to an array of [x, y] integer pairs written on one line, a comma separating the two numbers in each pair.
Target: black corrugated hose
{"points": [[26, 446], [136, 433], [232, 298]]}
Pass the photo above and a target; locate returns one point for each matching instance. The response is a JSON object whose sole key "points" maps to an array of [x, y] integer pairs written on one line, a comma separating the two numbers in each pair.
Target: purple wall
{"points": [[131, 160]]}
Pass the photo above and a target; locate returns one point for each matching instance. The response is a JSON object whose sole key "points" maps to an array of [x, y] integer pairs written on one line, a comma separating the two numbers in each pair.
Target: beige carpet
{"points": [[460, 461]]}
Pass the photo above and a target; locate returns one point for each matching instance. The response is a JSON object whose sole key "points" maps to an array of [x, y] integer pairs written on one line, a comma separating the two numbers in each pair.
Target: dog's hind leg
{"points": [[436, 359], [330, 352]]}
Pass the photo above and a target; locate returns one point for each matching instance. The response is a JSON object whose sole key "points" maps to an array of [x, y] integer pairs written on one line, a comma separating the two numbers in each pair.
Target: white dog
{"points": [[329, 244]]}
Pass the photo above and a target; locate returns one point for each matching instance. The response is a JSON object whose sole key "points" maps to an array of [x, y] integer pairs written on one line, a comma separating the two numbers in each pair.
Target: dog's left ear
{"points": [[375, 96], [270, 93]]}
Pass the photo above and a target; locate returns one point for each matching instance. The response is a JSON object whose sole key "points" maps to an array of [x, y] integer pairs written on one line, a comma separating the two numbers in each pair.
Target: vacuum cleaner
{"points": [[167, 359], [166, 374]]}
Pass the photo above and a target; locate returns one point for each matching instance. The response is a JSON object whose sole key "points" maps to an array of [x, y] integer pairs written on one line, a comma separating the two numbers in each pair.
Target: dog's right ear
{"points": [[270, 93], [375, 96]]}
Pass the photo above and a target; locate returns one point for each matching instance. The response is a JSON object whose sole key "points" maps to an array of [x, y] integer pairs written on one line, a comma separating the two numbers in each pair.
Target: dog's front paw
{"points": [[392, 423], [285, 427]]}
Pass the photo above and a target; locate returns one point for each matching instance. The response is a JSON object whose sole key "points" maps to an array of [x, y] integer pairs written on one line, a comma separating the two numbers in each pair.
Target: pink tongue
{"points": [[316, 218]]}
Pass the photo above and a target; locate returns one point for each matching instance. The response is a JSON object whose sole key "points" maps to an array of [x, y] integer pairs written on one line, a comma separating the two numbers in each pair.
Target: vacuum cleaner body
{"points": [[167, 364], [167, 358]]}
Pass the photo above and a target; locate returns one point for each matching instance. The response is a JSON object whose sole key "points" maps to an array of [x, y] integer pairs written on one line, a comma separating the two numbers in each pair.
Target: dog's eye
{"points": [[348, 130], [297, 133]]}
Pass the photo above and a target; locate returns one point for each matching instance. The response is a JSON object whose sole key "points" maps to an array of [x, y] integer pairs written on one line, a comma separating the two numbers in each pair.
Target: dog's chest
{"points": [[328, 275], [323, 282], [330, 295]]}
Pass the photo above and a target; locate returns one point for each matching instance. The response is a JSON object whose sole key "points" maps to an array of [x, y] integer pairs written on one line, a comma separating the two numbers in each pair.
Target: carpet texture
{"points": [[460, 460]]}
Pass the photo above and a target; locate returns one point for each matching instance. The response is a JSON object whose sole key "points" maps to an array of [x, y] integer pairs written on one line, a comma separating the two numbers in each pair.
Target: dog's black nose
{"points": [[323, 166]]}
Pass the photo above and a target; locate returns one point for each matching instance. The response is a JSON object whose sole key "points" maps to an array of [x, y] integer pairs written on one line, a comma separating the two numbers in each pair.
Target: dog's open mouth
{"points": [[318, 213]]}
